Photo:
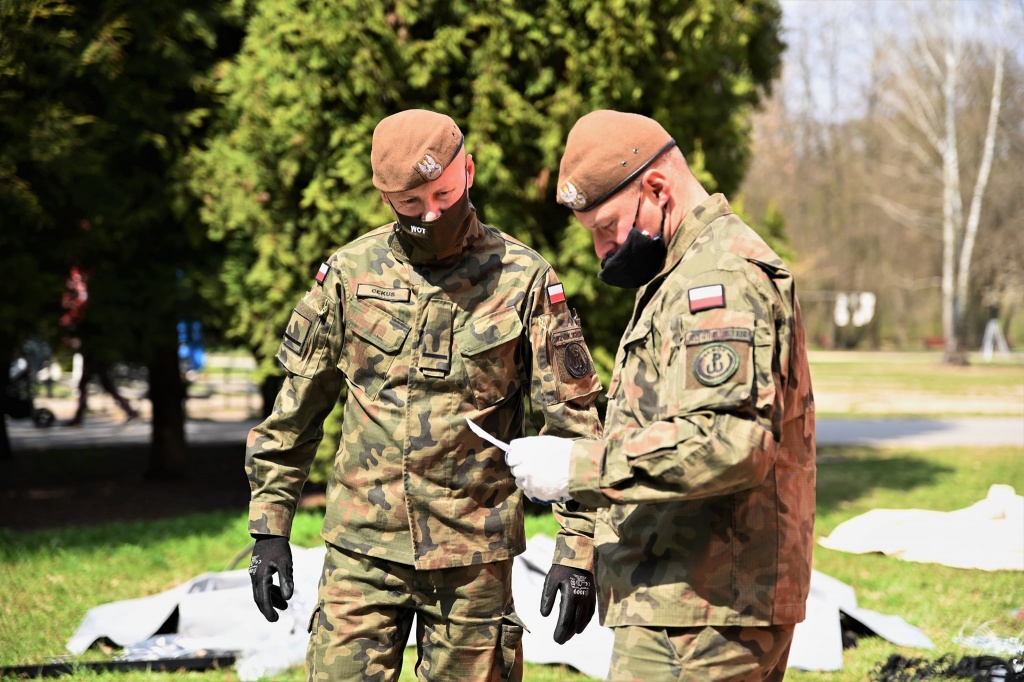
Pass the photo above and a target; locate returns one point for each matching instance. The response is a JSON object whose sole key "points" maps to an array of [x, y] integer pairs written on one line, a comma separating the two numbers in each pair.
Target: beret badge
{"points": [[572, 197], [429, 168]]}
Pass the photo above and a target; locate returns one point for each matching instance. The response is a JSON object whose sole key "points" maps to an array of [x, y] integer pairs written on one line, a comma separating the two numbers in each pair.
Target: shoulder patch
{"points": [[571, 356], [321, 274], [556, 294], [706, 298], [715, 363]]}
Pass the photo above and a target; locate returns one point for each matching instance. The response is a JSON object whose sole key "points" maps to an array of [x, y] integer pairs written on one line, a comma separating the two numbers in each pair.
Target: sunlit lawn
{"points": [[50, 578], [858, 384]]}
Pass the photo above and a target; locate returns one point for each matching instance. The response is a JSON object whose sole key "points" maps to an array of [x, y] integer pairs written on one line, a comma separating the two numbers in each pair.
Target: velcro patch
{"points": [[706, 298], [296, 332], [384, 293], [321, 274], [571, 356]]}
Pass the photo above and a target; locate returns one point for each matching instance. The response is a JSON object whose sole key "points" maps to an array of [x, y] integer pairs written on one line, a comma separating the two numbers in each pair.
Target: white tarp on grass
{"points": [[988, 535], [216, 614]]}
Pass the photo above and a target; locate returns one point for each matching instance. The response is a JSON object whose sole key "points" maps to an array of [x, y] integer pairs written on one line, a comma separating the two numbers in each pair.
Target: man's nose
{"points": [[432, 210]]}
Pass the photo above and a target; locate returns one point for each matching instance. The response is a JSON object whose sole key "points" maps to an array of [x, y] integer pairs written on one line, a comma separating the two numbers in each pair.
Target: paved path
{"points": [[101, 431], [924, 433]]}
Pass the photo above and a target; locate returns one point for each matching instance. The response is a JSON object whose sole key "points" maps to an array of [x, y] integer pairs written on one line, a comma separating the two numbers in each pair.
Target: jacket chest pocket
{"points": [[488, 348], [639, 373], [373, 339]]}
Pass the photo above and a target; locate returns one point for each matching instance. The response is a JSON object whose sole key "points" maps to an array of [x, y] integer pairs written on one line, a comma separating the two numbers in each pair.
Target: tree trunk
{"points": [[952, 203], [980, 184], [6, 352], [167, 452]]}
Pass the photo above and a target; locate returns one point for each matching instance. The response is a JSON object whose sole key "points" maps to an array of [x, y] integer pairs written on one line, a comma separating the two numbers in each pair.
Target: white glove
{"points": [[541, 467]]}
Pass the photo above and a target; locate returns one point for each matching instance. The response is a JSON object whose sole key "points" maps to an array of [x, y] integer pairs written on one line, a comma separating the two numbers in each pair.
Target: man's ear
{"points": [[470, 170], [657, 182]]}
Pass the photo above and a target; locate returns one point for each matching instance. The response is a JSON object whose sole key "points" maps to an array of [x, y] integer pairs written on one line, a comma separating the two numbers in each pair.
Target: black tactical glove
{"points": [[271, 554], [578, 600]]}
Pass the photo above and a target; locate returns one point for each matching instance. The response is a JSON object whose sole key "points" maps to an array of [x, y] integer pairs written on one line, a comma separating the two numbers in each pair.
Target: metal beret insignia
{"points": [[572, 197], [429, 168]]}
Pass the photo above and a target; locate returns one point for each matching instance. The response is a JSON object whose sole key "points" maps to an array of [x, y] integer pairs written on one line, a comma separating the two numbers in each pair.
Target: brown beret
{"points": [[605, 150], [411, 148]]}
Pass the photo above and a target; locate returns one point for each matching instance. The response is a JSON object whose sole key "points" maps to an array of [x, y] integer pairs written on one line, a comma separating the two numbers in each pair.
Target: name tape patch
{"points": [[699, 337], [384, 293], [706, 298]]}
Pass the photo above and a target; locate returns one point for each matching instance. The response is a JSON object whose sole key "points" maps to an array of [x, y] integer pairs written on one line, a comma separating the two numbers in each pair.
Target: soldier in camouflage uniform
{"points": [[705, 478], [428, 321]]}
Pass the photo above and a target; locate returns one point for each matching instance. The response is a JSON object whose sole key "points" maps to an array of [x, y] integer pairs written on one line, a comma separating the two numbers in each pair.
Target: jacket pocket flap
{"points": [[489, 331], [380, 328]]}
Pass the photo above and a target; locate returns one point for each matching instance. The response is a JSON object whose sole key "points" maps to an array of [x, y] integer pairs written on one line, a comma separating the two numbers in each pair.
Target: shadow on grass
{"points": [[846, 474], [100, 496]]}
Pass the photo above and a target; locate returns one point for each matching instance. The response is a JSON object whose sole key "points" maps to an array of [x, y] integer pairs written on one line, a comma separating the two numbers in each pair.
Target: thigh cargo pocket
{"points": [[488, 348], [373, 339], [511, 645]]}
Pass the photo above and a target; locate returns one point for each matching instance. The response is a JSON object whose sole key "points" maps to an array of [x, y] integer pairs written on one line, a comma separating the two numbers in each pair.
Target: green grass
{"points": [[858, 384], [50, 578]]}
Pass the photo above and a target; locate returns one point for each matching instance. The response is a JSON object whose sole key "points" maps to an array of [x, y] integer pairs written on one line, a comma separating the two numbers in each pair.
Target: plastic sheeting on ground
{"points": [[213, 613], [988, 535]]}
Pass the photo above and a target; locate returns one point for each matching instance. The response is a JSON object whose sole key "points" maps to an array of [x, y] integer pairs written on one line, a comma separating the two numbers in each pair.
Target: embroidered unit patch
{"points": [[571, 356], [715, 364]]}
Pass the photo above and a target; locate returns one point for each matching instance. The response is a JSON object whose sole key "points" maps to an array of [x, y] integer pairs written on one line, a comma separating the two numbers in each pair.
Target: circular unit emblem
{"points": [[715, 364], [576, 361]]}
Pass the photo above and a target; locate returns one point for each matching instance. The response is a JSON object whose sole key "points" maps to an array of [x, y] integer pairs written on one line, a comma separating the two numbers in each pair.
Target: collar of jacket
{"points": [[695, 222]]}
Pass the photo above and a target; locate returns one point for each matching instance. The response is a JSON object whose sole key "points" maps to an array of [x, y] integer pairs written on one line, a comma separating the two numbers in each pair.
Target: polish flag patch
{"points": [[322, 273], [706, 298], [556, 294]]}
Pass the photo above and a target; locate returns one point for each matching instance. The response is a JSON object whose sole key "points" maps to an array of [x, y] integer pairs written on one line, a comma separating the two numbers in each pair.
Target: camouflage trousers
{"points": [[466, 625], [701, 654]]}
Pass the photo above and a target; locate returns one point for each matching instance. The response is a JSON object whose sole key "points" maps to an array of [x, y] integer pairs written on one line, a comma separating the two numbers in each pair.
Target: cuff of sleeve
{"points": [[270, 519], [574, 551], [585, 464]]}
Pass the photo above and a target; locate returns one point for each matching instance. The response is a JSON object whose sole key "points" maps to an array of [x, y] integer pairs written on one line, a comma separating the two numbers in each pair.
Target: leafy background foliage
{"points": [[287, 178]]}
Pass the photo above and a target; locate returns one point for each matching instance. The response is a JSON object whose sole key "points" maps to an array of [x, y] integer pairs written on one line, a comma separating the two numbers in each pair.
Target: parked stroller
{"points": [[19, 403]]}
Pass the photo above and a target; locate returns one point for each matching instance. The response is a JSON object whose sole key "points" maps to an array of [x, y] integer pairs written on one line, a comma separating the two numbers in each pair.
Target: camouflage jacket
{"points": [[421, 349], [706, 479]]}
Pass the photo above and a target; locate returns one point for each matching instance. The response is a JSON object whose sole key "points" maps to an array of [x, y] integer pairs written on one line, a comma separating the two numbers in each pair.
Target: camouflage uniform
{"points": [[706, 476], [421, 349]]}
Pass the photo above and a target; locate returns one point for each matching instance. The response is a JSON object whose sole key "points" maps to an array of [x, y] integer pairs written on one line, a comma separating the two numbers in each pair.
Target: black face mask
{"points": [[637, 261], [439, 238]]}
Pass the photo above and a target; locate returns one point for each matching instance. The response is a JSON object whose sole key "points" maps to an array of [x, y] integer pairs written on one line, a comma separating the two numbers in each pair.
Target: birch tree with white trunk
{"points": [[927, 99]]}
